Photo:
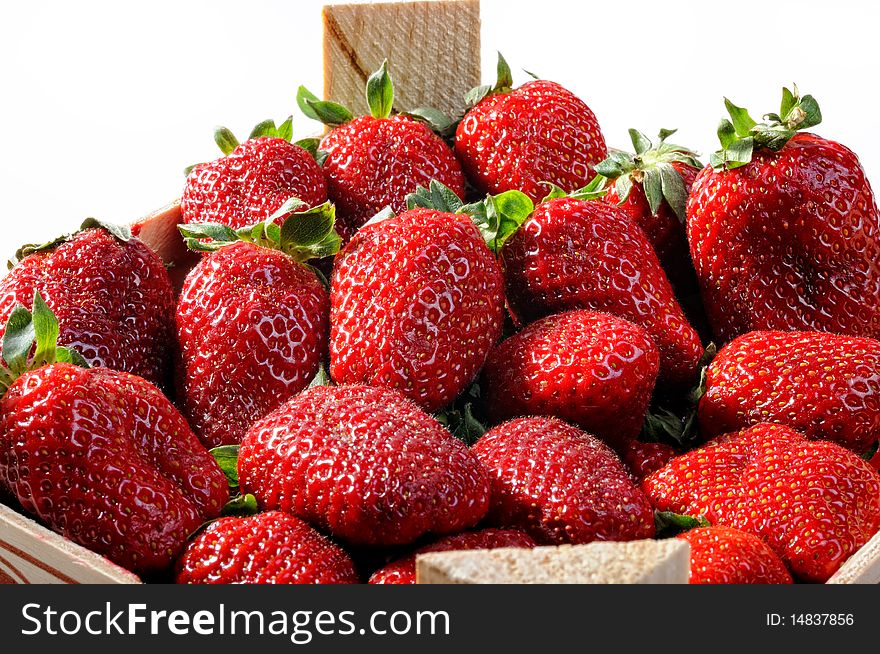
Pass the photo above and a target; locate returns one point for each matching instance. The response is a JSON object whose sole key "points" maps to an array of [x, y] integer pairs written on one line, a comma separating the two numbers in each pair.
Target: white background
{"points": [[103, 104]]}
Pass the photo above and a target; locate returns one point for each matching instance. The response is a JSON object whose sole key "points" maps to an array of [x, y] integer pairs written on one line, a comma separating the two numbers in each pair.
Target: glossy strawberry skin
{"points": [[721, 555], [251, 183], [814, 502], [267, 548], [560, 484], [403, 570], [576, 254], [788, 242], [643, 458], [113, 300], [364, 464], [253, 325], [591, 369], [104, 459], [664, 229], [417, 301], [373, 163], [823, 385], [537, 133]]}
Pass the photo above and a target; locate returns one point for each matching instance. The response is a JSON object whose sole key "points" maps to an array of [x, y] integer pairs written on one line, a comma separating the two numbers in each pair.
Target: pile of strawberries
{"points": [[419, 334]]}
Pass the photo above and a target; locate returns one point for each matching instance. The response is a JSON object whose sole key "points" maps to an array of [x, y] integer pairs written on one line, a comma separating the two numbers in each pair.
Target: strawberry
{"points": [[652, 187], [403, 570], [560, 484], [253, 180], [784, 229], [417, 300], [364, 464], [721, 555], [591, 369], [100, 456], [252, 320], [267, 548], [814, 502], [373, 162], [643, 458], [523, 138], [825, 386], [576, 253], [110, 293]]}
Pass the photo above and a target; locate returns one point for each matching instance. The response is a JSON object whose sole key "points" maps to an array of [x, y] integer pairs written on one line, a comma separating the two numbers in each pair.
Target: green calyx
{"points": [[239, 504], [497, 217], [35, 330], [120, 232], [303, 234], [651, 165], [503, 84], [593, 191], [227, 142], [679, 428], [461, 417], [379, 93], [741, 135], [668, 524]]}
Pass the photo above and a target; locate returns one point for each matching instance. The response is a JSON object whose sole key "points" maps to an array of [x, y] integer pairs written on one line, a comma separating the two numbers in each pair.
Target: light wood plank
{"points": [[636, 562], [32, 554], [863, 567], [433, 50]]}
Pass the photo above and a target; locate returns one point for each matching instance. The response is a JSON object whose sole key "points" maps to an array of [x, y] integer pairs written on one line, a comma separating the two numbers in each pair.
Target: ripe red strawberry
{"points": [[560, 484], [364, 464], [373, 162], [784, 229], [110, 293], [252, 321], [721, 555], [652, 187], [586, 254], [825, 386], [591, 369], [523, 138], [814, 502], [644, 458], [417, 301], [267, 548], [253, 180], [100, 456], [403, 570]]}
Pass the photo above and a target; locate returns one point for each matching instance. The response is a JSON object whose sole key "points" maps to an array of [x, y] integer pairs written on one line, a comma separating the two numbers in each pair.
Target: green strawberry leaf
{"points": [[437, 196], [461, 417], [46, 331], [207, 237], [227, 458], [380, 92], [18, 339], [312, 146], [69, 355], [266, 128], [321, 378], [120, 232], [623, 187], [871, 451], [641, 143], [742, 121], [476, 94], [503, 76], [285, 129], [669, 524], [674, 191], [240, 505], [498, 217], [329, 113], [435, 119], [225, 140], [310, 234]]}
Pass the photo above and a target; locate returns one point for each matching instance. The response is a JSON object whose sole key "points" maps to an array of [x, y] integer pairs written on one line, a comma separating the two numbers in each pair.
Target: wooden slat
{"points": [[32, 554], [863, 567], [433, 50], [637, 562]]}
